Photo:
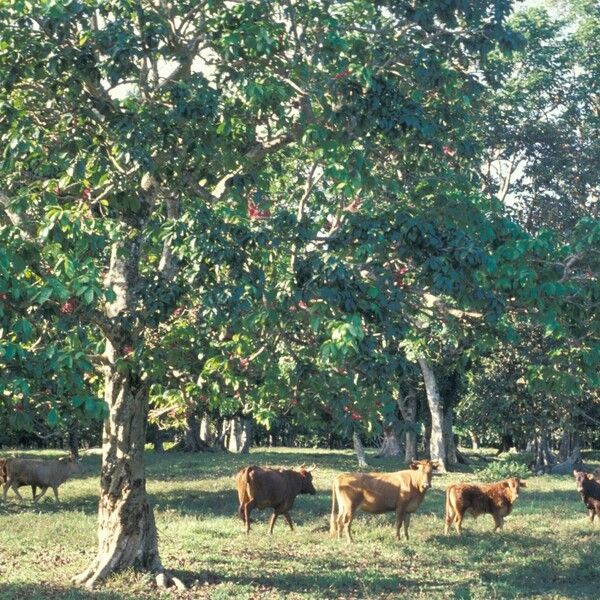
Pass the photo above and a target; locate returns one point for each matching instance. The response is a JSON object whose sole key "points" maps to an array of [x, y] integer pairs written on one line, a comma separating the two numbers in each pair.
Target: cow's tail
{"points": [[450, 508], [333, 526], [242, 485], [3, 471]]}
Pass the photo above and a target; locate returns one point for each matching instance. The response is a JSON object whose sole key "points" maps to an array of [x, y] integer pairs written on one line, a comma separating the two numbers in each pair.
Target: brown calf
{"points": [[401, 492], [260, 487], [495, 499], [589, 488]]}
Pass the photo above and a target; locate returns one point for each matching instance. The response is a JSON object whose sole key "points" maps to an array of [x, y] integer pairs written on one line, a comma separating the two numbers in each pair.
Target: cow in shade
{"points": [[262, 487]]}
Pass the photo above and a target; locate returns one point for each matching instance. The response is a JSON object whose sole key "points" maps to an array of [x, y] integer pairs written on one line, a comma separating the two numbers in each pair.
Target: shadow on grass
{"points": [[44, 591], [337, 582]]}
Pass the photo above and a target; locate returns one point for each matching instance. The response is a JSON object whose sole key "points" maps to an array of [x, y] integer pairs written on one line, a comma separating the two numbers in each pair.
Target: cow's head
{"points": [[513, 485], [74, 465], [307, 483], [580, 478], [425, 469]]}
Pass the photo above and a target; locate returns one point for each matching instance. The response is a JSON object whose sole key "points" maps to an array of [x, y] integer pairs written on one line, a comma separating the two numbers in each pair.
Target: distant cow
{"points": [[496, 499], [401, 492], [589, 488], [261, 487], [40, 473]]}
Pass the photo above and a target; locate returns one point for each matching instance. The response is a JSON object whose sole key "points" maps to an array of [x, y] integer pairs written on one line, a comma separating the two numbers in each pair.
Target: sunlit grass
{"points": [[548, 548]]}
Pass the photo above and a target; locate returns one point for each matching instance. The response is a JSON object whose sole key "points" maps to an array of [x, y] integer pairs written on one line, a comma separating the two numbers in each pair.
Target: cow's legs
{"points": [[287, 517], [15, 488], [41, 494], [55, 490], [399, 521], [406, 524], [448, 522], [498, 522], [591, 514], [458, 519], [247, 508], [272, 523], [5, 487], [348, 527]]}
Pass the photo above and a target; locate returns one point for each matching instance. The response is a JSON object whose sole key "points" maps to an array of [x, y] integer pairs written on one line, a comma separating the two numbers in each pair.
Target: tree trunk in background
{"points": [[474, 440], [156, 437], [437, 450], [568, 444], [207, 430], [360, 451], [543, 458], [223, 439], [191, 435], [390, 445], [73, 439], [408, 409], [247, 431], [449, 441], [235, 434]]}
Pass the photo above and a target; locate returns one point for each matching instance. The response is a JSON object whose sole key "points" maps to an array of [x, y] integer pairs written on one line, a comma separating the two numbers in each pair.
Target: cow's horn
{"points": [[314, 466]]}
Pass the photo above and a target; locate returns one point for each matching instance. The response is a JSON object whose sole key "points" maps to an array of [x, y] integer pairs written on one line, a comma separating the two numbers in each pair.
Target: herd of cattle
{"points": [[401, 492]]}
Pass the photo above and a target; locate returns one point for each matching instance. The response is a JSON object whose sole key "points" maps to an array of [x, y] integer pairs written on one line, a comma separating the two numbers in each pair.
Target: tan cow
{"points": [[401, 492]]}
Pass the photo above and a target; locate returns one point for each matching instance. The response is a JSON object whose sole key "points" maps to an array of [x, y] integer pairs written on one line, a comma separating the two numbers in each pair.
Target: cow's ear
{"points": [[522, 483], [590, 476], [575, 471], [414, 464], [312, 468], [506, 484], [435, 464]]}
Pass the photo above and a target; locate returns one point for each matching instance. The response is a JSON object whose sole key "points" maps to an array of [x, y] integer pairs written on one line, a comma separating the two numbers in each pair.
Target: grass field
{"points": [[548, 548]]}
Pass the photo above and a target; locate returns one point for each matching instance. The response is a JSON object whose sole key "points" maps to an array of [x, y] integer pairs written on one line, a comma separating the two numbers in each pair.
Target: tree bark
{"points": [[207, 431], [390, 445], [126, 528], [360, 451], [73, 439], [474, 440], [408, 409], [449, 441], [235, 434], [191, 441], [246, 437], [437, 451]]}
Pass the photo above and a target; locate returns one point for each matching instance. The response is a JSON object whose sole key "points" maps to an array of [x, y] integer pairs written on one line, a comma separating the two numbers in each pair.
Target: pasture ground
{"points": [[548, 548]]}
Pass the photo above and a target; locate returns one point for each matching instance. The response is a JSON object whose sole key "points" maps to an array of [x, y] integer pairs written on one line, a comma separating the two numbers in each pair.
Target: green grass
{"points": [[548, 548]]}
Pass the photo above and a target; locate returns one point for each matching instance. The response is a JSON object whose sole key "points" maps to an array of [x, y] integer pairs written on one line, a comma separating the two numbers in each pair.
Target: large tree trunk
{"points": [[437, 450], [360, 451], [126, 529], [235, 435], [543, 458], [408, 409], [474, 440], [126, 532]]}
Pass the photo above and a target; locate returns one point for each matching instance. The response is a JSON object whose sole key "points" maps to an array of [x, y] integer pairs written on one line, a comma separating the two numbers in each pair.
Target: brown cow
{"points": [[401, 492], [261, 487], [495, 499], [4, 476], [589, 489]]}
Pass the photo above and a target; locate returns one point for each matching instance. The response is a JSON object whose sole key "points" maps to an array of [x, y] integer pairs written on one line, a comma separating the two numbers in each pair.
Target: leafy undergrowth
{"points": [[547, 550]]}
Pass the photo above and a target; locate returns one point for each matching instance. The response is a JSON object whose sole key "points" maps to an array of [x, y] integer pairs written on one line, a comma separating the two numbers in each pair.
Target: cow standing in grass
{"points": [[401, 492], [38, 473], [589, 488], [260, 487], [496, 499]]}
